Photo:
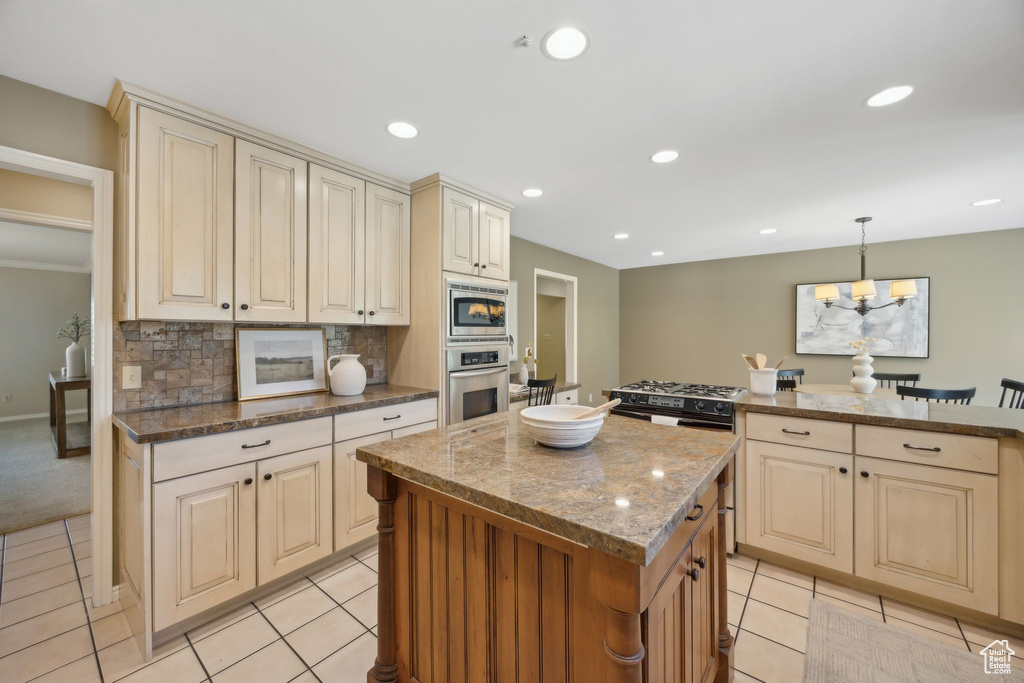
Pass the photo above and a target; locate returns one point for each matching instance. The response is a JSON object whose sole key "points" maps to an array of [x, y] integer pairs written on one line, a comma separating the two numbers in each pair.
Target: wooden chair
{"points": [[798, 374], [959, 396], [1016, 390], [541, 391], [899, 379], [785, 384]]}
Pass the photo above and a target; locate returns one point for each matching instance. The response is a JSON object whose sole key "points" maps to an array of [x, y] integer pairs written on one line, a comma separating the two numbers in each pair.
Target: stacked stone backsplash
{"points": [[188, 363]]}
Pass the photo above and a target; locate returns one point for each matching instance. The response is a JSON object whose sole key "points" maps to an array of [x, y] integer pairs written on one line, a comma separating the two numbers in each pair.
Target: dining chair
{"points": [[541, 391], [959, 396], [785, 384], [798, 374], [1016, 390], [891, 379]]}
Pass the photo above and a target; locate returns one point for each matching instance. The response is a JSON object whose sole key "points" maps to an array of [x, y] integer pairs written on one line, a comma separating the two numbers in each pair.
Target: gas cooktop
{"points": [[712, 391]]}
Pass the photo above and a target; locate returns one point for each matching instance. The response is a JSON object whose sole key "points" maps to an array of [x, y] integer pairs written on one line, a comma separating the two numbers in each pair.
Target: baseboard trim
{"points": [[14, 418]]}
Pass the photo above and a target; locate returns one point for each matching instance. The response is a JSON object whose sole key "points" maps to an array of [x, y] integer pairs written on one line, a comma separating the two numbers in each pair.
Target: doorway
{"points": [[555, 325]]}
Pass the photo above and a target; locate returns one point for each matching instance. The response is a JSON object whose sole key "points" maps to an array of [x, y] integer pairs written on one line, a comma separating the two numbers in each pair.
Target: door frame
{"points": [[102, 341], [572, 318]]}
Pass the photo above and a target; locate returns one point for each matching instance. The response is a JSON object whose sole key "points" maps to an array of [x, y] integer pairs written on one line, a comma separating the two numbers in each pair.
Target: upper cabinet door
{"points": [[270, 235], [387, 256], [184, 220], [460, 232], [337, 219], [494, 241]]}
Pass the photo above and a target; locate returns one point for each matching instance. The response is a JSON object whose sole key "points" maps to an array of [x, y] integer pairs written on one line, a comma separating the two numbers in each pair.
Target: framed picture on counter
{"points": [[280, 361], [901, 331]]}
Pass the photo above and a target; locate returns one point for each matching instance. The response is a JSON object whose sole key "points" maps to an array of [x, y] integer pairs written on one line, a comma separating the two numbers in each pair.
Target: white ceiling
{"points": [[32, 246], [763, 100]]}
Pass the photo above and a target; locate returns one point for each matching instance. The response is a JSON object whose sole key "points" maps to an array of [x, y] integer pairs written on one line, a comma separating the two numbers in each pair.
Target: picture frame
{"points": [[902, 331], [280, 361]]}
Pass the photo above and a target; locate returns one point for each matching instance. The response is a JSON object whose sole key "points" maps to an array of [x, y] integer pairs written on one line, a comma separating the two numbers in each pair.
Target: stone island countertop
{"points": [[625, 493], [182, 422], [889, 412]]}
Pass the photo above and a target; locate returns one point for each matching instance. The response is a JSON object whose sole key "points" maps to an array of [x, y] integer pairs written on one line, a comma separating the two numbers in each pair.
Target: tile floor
{"points": [[768, 608], [320, 628]]}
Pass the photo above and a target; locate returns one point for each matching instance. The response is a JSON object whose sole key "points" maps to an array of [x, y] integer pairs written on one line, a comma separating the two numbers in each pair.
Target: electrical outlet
{"points": [[590, 398], [131, 377], [8, 398]]}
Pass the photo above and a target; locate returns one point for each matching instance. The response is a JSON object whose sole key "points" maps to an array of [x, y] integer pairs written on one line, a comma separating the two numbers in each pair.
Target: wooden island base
{"points": [[466, 594]]}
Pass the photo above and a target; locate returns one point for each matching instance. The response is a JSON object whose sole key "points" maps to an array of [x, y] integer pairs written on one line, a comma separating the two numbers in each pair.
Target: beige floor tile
{"points": [[301, 608], [364, 607], [370, 561], [83, 550], [849, 606], [86, 585], [318, 639], [742, 561], [787, 575], [82, 670], [740, 677], [42, 627], [34, 534], [738, 579], [36, 563], [80, 521], [775, 624], [103, 611], [282, 593], [81, 534], [121, 659], [46, 656], [349, 582], [180, 667], [33, 605], [307, 677], [736, 601], [110, 630], [982, 635], [867, 600], [768, 661], [275, 663], [344, 563], [781, 594], [32, 548], [373, 630], [350, 664], [219, 623], [234, 643], [40, 581], [956, 642], [916, 615]]}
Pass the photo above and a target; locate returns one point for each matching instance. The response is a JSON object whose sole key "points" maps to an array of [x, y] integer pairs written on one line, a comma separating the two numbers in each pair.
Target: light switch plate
{"points": [[131, 377]]}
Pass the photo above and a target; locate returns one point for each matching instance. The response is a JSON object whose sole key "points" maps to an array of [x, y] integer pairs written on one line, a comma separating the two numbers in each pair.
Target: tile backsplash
{"points": [[186, 363]]}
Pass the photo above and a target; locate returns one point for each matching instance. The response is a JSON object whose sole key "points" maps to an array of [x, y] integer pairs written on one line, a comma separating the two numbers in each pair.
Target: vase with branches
{"points": [[75, 329]]}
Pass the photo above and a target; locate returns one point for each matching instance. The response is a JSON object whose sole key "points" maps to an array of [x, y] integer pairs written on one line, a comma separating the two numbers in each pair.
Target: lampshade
{"points": [[826, 293], [863, 289], [902, 289]]}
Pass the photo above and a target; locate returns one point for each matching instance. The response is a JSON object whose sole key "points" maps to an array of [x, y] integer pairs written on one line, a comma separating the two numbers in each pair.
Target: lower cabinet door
{"points": [[294, 510], [929, 530], [204, 541], [355, 510], [800, 503], [704, 600]]}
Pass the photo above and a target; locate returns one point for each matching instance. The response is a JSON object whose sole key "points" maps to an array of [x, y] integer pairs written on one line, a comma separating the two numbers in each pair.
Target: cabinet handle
{"points": [[372, 312], [248, 481], [225, 306], [476, 265], [256, 445], [694, 574], [484, 265], [245, 307], [392, 418], [842, 470], [935, 449], [700, 512], [702, 562], [864, 474], [268, 476], [360, 311], [787, 431]]}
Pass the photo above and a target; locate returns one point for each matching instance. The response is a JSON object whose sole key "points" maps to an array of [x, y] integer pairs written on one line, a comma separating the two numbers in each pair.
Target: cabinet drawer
{"points": [[202, 453], [956, 451], [571, 397], [415, 429], [363, 422], [799, 431]]}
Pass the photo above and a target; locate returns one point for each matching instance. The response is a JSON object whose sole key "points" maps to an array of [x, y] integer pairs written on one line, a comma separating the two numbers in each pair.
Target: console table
{"points": [[76, 438]]}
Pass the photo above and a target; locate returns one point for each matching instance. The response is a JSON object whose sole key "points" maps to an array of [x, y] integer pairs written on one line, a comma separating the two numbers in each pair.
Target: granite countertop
{"points": [[888, 412], [182, 422], [559, 388], [492, 462]]}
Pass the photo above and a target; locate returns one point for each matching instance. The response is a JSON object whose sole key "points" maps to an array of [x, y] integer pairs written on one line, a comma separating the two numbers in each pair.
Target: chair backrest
{"points": [[961, 396], [785, 385], [1016, 390], [890, 379], [799, 374], [541, 391]]}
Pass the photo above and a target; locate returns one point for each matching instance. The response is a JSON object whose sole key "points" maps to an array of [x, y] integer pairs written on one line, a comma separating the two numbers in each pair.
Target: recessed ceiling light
{"points": [[622, 502], [664, 156], [533, 192], [890, 96], [767, 231], [621, 235], [985, 202], [401, 129], [563, 44], [657, 253]]}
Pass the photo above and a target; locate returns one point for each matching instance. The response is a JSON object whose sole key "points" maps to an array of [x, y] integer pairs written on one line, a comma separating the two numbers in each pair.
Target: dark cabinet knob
{"points": [[842, 470], [360, 311], [484, 265], [371, 312], [225, 306], [694, 574], [864, 474], [248, 481], [268, 476], [245, 307], [476, 265], [702, 562]]}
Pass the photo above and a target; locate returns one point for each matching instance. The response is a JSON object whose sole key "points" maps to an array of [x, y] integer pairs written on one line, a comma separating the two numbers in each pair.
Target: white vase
{"points": [[524, 373], [348, 377], [863, 382], [74, 357]]}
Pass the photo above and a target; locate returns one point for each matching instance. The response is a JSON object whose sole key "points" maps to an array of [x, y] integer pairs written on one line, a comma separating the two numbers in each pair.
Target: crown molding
{"points": [[45, 220]]}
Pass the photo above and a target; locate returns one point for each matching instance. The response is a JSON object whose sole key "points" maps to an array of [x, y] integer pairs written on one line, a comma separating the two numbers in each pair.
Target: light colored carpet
{"points": [[36, 487], [844, 646]]}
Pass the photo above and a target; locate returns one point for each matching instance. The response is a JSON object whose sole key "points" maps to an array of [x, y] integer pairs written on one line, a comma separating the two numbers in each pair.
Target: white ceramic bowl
{"points": [[554, 425]]}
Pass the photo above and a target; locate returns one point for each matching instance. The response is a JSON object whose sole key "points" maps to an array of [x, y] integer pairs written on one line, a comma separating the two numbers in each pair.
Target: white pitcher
{"points": [[348, 377]]}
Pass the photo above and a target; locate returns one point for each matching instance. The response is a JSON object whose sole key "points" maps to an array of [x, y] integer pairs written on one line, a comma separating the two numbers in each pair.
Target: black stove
{"points": [[691, 405]]}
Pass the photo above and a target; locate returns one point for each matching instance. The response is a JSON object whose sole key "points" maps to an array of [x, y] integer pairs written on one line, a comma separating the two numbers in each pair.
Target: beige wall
{"points": [[36, 194], [691, 321], [29, 347], [550, 336], [598, 310]]}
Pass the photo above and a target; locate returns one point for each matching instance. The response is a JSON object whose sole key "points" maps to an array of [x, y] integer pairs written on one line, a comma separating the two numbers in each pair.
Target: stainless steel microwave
{"points": [[476, 312]]}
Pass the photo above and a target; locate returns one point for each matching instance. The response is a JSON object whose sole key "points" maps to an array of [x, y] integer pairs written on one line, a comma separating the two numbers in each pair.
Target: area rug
{"points": [[36, 487]]}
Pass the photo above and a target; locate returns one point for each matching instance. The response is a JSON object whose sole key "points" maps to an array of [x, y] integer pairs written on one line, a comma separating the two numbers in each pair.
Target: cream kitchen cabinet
{"points": [[475, 236], [388, 287], [494, 241], [337, 238], [270, 235]]}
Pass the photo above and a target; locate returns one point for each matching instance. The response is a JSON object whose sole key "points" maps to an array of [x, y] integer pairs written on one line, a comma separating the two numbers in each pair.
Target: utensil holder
{"points": [[762, 382]]}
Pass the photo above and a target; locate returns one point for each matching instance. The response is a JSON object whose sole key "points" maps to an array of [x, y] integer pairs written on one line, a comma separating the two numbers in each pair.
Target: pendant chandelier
{"points": [[863, 290]]}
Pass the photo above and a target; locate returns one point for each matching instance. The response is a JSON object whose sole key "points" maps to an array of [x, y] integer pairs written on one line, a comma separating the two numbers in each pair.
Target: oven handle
{"points": [[478, 373]]}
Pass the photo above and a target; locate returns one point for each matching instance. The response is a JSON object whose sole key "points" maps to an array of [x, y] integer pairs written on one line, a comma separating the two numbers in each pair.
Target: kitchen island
{"points": [[501, 559]]}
